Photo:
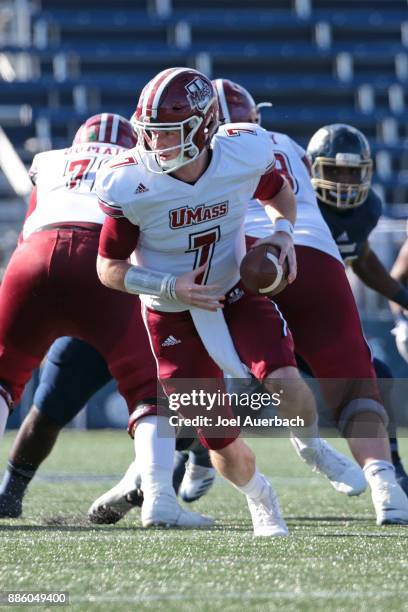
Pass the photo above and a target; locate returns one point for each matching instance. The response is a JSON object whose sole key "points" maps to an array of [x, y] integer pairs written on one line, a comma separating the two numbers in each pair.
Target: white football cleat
{"points": [[345, 475], [196, 481], [266, 515], [390, 503], [114, 504], [164, 511]]}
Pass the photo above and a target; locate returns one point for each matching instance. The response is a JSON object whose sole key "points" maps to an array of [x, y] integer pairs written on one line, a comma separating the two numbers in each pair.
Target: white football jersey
{"points": [[310, 227], [183, 226], [65, 180]]}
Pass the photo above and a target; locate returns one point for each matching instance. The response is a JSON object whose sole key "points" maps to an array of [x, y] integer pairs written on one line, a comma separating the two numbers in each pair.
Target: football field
{"points": [[335, 557]]}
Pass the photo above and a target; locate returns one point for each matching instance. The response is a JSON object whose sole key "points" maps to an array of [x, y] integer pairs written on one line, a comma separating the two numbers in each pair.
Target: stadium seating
{"points": [[318, 61]]}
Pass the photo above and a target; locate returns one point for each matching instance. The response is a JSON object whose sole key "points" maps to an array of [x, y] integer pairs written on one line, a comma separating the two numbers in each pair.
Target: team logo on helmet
{"points": [[199, 93]]}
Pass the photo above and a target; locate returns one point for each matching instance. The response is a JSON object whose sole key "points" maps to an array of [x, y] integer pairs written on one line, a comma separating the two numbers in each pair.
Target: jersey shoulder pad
{"points": [[115, 184], [247, 142]]}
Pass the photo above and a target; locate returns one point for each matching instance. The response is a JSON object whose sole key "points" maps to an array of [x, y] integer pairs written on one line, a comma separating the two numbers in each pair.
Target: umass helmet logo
{"points": [[199, 93]]}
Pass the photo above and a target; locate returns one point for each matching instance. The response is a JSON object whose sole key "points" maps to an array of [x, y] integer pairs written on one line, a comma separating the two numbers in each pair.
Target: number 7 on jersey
{"points": [[203, 245]]}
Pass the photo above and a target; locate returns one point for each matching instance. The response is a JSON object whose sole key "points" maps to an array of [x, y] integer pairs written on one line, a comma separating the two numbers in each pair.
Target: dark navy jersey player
{"points": [[341, 169], [351, 227]]}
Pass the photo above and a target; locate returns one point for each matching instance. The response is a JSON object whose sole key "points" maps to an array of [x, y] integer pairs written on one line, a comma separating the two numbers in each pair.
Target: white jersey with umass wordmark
{"points": [[310, 227], [65, 180], [183, 226]]}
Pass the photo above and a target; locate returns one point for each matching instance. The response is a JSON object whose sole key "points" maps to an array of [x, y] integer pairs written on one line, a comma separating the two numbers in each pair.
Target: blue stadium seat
{"points": [[342, 60]]}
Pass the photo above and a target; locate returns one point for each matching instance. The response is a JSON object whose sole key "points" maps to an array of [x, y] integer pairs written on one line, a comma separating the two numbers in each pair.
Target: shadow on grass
{"points": [[77, 523]]}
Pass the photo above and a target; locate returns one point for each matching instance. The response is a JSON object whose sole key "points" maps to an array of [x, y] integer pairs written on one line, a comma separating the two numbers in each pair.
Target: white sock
{"points": [[4, 415], [379, 470], [253, 489], [306, 437], [154, 446]]}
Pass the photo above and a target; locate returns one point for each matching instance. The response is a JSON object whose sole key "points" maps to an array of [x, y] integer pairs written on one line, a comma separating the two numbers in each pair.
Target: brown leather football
{"points": [[261, 273]]}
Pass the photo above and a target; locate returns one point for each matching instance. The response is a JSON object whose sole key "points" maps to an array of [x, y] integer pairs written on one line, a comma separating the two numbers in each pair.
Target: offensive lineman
{"points": [[51, 289], [331, 342]]}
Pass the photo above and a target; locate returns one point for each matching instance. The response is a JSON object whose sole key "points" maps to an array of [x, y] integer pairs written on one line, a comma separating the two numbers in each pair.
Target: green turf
{"points": [[335, 558]]}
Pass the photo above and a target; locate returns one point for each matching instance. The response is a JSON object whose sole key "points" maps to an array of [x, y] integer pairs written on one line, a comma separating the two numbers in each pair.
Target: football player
{"points": [[341, 170], [321, 312], [51, 289], [184, 222]]}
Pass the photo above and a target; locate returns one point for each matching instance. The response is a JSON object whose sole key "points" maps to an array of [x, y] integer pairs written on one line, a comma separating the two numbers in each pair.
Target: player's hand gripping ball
{"points": [[261, 272]]}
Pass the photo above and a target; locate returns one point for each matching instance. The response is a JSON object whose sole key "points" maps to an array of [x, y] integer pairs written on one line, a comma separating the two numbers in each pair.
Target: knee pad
{"points": [[359, 405]]}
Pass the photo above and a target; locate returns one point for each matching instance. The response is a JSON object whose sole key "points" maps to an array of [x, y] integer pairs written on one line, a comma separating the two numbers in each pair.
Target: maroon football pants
{"points": [[51, 289]]}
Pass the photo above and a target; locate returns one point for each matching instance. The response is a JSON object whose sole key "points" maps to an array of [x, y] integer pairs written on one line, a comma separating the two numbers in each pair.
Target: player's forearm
{"points": [[118, 274], [112, 272], [373, 274], [282, 205]]}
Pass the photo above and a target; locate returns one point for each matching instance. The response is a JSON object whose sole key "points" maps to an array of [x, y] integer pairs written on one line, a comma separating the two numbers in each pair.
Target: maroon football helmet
{"points": [[109, 128], [236, 103], [177, 100]]}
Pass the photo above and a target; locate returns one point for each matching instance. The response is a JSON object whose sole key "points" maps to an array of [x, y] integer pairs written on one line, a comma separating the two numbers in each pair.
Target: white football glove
{"points": [[400, 331]]}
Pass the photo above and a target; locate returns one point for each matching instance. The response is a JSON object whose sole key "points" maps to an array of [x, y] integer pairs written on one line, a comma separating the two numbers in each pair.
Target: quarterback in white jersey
{"points": [[322, 315], [180, 201], [183, 226]]}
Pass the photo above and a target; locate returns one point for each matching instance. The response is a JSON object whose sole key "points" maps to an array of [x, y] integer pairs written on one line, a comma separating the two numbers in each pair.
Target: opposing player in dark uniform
{"points": [[341, 169]]}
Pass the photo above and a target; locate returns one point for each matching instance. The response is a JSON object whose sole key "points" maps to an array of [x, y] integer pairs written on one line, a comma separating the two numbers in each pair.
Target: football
{"points": [[261, 273]]}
